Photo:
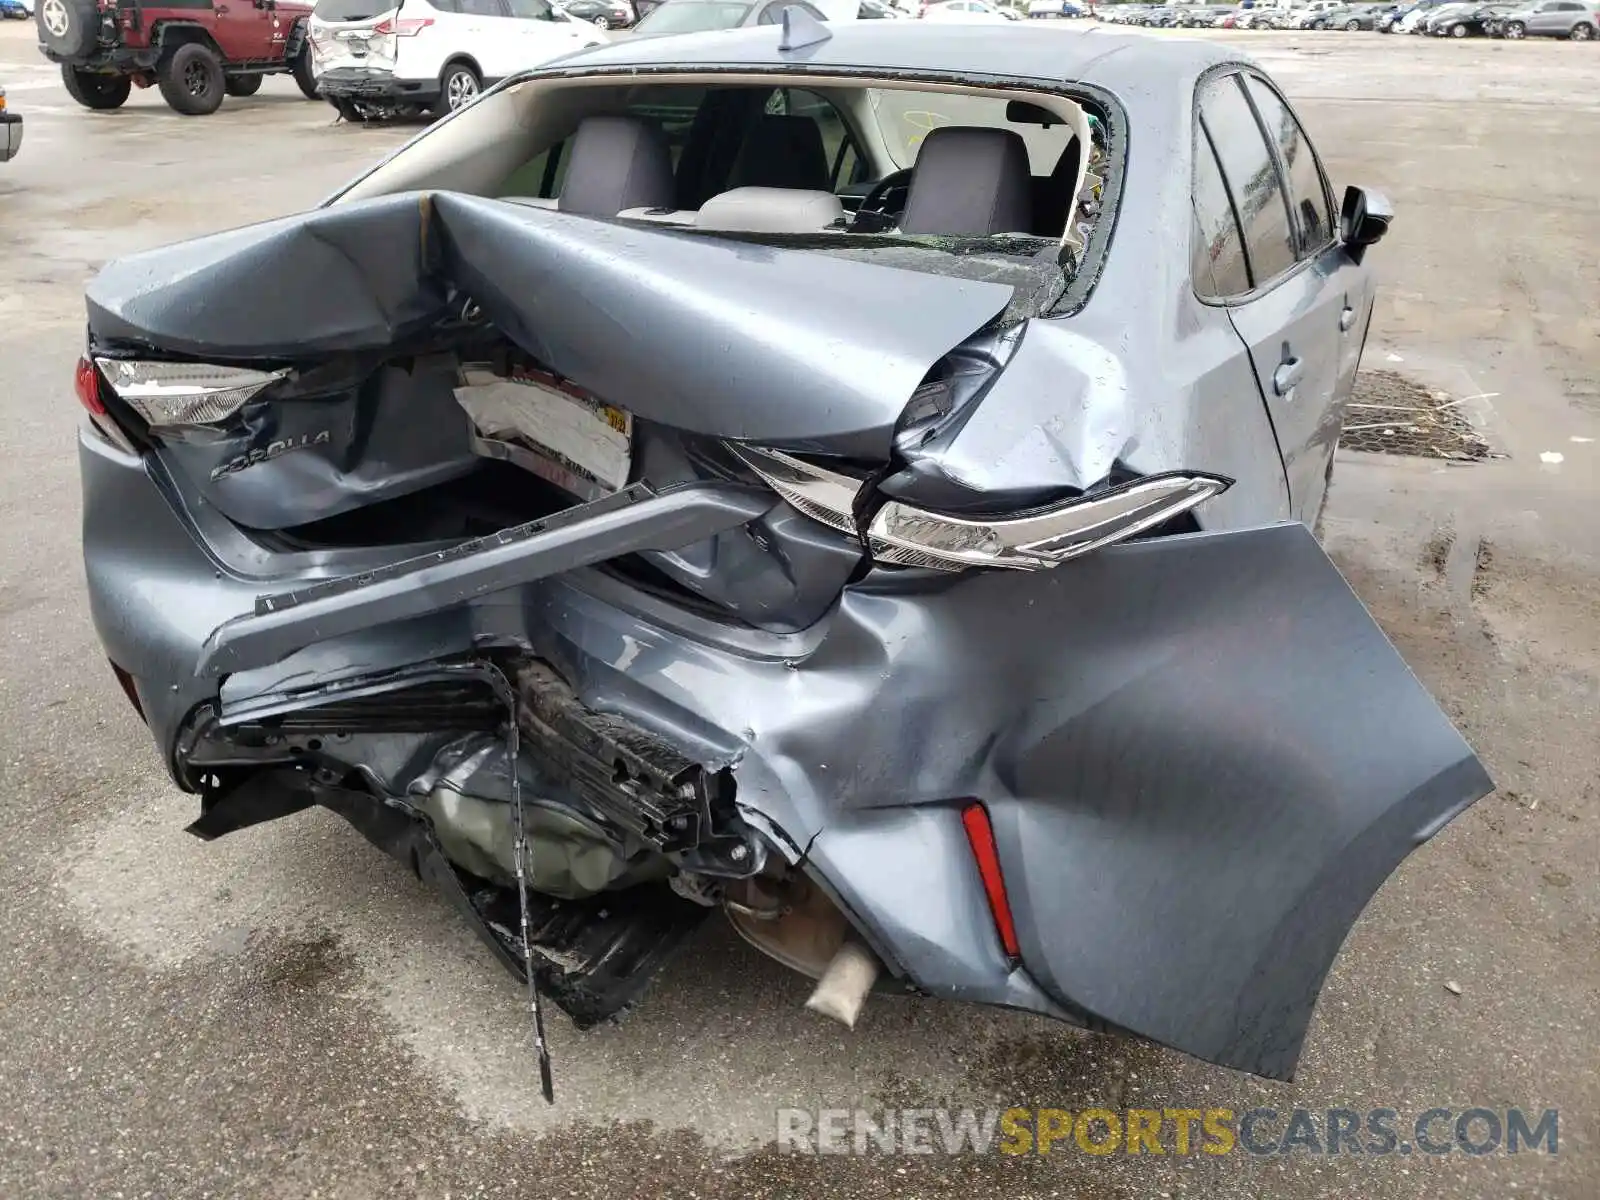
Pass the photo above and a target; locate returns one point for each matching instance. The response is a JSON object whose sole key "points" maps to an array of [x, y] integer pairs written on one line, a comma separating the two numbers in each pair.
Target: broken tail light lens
{"points": [[86, 383], [903, 534], [908, 536], [169, 394], [402, 27]]}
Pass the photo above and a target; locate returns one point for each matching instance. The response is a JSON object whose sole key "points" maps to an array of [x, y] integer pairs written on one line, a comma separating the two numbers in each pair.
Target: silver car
{"points": [[1551, 18], [794, 474]]}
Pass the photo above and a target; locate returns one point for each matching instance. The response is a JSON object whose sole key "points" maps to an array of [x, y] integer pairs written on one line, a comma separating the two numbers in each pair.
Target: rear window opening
{"points": [[921, 177]]}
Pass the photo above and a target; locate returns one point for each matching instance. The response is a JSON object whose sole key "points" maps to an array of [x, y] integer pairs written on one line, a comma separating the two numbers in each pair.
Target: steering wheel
{"points": [[877, 200]]}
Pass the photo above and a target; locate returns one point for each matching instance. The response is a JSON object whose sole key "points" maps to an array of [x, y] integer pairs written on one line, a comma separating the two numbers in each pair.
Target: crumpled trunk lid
{"points": [[712, 337]]}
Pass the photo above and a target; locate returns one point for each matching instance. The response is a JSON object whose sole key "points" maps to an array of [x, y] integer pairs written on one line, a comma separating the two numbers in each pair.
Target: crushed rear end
{"points": [[489, 523]]}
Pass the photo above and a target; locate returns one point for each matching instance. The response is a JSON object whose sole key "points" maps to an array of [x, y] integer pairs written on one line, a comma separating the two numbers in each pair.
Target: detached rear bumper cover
{"points": [[1200, 754], [355, 83]]}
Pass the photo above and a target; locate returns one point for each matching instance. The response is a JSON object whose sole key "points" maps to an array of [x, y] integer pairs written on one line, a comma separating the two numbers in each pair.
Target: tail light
{"points": [[907, 536], [402, 26], [86, 383], [980, 833], [171, 395]]}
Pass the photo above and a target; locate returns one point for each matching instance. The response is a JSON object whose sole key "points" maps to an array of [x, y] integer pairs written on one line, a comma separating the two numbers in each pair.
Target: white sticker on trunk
{"points": [[586, 445]]}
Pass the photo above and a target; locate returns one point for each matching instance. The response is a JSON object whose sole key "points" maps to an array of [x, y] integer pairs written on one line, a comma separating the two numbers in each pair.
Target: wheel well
{"points": [[296, 41], [462, 60], [169, 35]]}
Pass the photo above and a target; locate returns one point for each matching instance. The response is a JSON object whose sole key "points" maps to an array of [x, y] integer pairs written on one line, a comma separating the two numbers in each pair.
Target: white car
{"points": [[968, 11], [380, 57]]}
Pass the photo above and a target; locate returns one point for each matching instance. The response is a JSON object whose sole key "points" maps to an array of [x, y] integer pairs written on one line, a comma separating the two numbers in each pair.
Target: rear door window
{"points": [[1308, 191], [1250, 171], [1218, 260]]}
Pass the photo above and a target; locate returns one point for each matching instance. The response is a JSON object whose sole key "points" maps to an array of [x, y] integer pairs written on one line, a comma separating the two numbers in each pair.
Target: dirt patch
{"points": [[1390, 414], [1436, 552], [1481, 569]]}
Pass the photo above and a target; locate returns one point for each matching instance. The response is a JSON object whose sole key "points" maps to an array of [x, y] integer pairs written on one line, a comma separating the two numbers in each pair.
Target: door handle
{"points": [[1287, 375], [1346, 319]]}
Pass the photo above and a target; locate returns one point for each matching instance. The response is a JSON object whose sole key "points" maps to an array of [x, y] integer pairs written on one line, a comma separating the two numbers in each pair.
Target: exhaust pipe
{"points": [[796, 923]]}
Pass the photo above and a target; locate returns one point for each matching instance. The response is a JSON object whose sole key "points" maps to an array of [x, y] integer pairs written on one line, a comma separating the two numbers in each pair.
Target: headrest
{"points": [[782, 152], [616, 163], [970, 181], [770, 210]]}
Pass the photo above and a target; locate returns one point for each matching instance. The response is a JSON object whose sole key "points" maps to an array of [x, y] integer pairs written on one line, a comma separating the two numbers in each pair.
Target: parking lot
{"points": [[287, 1013]]}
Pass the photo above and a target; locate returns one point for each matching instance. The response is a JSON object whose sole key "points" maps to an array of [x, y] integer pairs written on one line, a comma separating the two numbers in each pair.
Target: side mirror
{"points": [[1363, 220]]}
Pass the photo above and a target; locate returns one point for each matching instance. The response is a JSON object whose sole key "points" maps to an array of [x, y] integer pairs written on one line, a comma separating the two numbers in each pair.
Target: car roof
{"points": [[1117, 62]]}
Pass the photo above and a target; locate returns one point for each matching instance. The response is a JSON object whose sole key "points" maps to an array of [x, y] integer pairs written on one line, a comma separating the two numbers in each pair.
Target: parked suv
{"points": [[1550, 18], [194, 52], [379, 57]]}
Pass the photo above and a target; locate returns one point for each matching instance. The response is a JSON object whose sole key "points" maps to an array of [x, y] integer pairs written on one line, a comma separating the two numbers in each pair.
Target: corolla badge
{"points": [[273, 449], [55, 17]]}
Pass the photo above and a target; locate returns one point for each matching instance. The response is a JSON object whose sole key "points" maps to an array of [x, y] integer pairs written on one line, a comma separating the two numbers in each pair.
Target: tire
{"points": [[242, 85], [1516, 31], [191, 79], [1352, 26], [99, 92], [1458, 31], [304, 77], [459, 85], [67, 28], [601, 23], [1581, 32]]}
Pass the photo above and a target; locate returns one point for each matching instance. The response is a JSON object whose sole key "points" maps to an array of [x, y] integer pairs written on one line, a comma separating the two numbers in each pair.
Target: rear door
{"points": [[1543, 19], [244, 31], [1305, 316], [1559, 16]]}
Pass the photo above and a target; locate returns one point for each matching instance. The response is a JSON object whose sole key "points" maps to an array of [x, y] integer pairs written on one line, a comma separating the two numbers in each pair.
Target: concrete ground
{"points": [[286, 1013]]}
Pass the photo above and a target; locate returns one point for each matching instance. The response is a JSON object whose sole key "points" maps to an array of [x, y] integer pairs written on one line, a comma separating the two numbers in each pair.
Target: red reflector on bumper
{"points": [[981, 834]]}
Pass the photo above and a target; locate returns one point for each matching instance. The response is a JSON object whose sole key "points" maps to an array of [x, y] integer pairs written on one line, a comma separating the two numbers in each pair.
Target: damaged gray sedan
{"points": [[857, 478]]}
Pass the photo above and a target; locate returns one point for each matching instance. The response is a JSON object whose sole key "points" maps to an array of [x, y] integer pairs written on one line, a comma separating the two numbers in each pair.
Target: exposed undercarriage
{"points": [[629, 844]]}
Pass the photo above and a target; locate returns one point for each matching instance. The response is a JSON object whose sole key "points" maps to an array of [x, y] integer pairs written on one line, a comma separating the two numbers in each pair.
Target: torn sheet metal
{"points": [[1199, 753], [628, 521]]}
